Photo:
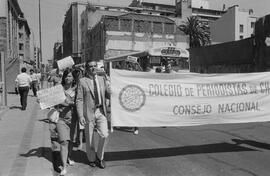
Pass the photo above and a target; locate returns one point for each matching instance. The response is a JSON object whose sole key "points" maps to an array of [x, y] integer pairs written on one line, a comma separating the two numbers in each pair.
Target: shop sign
{"points": [[170, 51], [132, 59]]}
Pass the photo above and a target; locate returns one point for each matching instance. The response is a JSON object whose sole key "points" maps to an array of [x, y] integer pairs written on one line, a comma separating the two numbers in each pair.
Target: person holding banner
{"points": [[168, 68], [91, 106], [65, 126]]}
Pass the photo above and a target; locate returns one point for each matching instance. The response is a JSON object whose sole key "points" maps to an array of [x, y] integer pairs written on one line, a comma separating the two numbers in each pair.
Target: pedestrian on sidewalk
{"points": [[65, 124], [23, 82], [40, 85], [34, 84], [91, 106]]}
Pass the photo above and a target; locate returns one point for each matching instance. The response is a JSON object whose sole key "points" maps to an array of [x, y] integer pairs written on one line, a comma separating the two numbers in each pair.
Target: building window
{"points": [[252, 25], [20, 25], [169, 28], [112, 24], [126, 25], [241, 29], [157, 28], [142, 26], [21, 46], [20, 35], [241, 37]]}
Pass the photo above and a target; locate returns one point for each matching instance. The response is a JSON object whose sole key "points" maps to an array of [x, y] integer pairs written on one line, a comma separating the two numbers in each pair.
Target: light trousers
{"points": [[101, 126]]}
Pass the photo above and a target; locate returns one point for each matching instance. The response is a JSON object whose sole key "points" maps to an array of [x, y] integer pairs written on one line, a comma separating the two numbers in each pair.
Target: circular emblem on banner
{"points": [[132, 98]]}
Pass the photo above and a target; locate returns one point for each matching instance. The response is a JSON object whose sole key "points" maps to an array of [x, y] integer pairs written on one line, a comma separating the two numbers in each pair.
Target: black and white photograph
{"points": [[134, 87]]}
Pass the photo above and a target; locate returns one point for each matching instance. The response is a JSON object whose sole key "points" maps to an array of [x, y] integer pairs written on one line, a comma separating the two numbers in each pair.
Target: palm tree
{"points": [[197, 31]]}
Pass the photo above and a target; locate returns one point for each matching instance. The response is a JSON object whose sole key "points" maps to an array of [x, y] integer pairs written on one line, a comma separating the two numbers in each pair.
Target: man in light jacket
{"points": [[92, 92]]}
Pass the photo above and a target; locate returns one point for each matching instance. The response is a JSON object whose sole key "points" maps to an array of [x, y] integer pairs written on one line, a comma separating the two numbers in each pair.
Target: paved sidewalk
{"points": [[25, 147]]}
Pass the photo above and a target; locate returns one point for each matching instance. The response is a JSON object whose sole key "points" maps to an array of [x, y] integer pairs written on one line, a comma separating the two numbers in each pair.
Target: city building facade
{"points": [[24, 40], [239, 24], [92, 16], [180, 10], [72, 31], [37, 57], [57, 51], [14, 40], [175, 10], [117, 35]]}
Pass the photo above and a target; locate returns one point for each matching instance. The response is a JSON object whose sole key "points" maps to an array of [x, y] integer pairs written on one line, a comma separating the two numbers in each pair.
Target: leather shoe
{"points": [[92, 163], [100, 163]]}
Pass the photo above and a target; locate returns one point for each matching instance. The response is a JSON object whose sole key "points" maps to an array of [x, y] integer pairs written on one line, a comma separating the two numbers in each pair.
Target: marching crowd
{"points": [[85, 109]]}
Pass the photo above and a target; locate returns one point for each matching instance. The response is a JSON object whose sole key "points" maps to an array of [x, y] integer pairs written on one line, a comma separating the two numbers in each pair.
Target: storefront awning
{"points": [[124, 56]]}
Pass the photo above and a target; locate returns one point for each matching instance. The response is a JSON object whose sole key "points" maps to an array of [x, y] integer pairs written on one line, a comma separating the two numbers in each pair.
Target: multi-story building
{"points": [[239, 24], [57, 51], [202, 4], [181, 9], [50, 63], [37, 57], [24, 40], [14, 40], [92, 16], [176, 10], [72, 31], [117, 35]]}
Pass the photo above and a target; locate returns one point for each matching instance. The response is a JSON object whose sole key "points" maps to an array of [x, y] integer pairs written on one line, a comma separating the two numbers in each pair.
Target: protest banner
{"points": [[146, 99], [65, 63], [51, 96]]}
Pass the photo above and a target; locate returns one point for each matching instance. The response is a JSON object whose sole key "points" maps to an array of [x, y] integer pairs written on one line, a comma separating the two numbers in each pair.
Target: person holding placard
{"points": [[65, 125]]}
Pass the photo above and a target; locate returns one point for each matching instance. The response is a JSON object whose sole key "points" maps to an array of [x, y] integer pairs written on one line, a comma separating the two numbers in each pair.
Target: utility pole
{"points": [[40, 41], [3, 56], [4, 86]]}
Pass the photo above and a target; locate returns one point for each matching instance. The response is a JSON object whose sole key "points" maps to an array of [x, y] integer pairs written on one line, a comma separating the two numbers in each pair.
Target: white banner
{"points": [[188, 99], [51, 96]]}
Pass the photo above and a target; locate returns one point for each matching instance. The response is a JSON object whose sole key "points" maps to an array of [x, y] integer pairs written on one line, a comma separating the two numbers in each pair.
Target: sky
{"points": [[53, 12]]}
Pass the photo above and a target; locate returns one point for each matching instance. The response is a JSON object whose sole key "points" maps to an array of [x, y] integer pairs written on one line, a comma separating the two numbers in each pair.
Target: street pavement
{"points": [[210, 150], [25, 147]]}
